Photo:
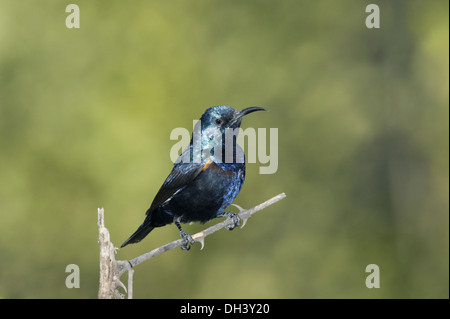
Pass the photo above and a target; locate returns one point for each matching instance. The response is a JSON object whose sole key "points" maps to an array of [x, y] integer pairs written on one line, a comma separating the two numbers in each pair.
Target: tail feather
{"points": [[155, 218], [139, 234]]}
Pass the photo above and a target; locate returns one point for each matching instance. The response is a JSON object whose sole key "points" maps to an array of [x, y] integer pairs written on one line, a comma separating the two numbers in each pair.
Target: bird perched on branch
{"points": [[205, 179]]}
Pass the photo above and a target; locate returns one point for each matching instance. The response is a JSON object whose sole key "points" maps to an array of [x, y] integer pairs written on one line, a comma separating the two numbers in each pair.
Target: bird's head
{"points": [[217, 119]]}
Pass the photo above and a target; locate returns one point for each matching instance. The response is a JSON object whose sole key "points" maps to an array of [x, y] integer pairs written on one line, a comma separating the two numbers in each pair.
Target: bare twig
{"points": [[200, 236], [130, 283], [111, 270], [108, 266]]}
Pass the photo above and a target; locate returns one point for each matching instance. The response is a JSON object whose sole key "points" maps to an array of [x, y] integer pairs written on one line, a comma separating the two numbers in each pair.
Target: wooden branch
{"points": [[108, 265], [111, 270], [200, 236]]}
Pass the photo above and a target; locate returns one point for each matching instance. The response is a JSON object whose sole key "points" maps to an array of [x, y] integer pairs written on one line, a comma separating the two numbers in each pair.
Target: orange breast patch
{"points": [[216, 167], [208, 164]]}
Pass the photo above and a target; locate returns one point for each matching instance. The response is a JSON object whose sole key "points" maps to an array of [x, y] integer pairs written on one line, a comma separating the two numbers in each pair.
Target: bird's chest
{"points": [[213, 190], [219, 177]]}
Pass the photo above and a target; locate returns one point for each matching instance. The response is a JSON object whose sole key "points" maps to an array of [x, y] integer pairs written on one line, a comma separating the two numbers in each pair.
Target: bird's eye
{"points": [[218, 121]]}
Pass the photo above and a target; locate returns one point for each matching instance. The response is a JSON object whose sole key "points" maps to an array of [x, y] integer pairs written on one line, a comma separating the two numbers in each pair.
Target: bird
{"points": [[205, 179]]}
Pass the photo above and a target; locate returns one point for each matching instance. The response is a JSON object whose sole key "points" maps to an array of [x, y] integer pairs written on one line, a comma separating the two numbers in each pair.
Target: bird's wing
{"points": [[180, 176]]}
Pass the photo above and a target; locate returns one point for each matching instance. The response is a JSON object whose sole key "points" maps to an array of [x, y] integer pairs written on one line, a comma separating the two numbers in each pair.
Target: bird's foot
{"points": [[187, 239], [236, 220]]}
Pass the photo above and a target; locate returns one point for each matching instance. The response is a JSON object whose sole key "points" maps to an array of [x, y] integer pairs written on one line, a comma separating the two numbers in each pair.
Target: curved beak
{"points": [[240, 114]]}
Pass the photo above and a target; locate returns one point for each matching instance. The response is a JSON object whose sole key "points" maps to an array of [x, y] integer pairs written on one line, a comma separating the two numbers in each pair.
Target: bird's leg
{"points": [[234, 217], [187, 239]]}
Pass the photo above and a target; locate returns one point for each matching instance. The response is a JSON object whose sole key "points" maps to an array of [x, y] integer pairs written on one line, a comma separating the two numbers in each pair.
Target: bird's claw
{"points": [[187, 239], [236, 220], [244, 220]]}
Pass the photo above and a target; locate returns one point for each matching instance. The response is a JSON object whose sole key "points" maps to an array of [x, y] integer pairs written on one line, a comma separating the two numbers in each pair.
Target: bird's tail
{"points": [[140, 233]]}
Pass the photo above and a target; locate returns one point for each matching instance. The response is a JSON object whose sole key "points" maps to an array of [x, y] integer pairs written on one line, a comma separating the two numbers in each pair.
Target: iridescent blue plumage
{"points": [[205, 179]]}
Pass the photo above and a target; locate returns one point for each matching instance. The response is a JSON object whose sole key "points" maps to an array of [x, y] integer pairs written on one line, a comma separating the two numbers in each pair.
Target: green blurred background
{"points": [[363, 124]]}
